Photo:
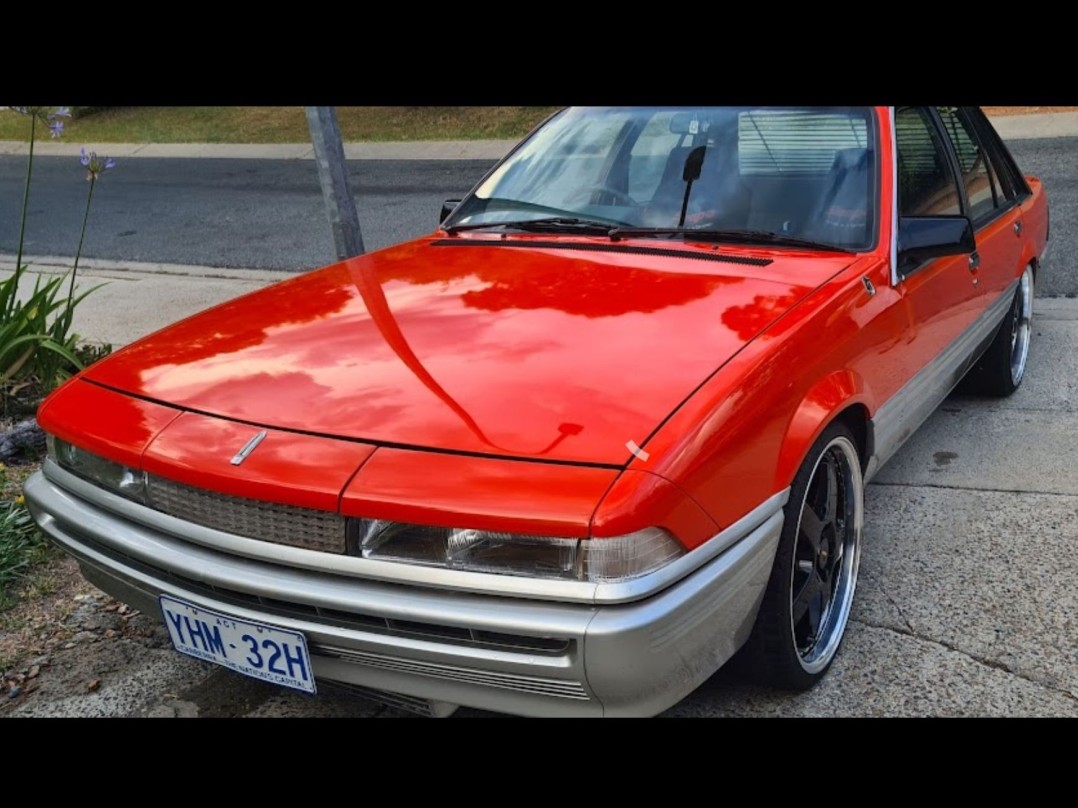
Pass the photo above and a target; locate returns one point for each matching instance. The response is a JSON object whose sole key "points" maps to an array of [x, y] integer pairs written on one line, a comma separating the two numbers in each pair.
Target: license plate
{"points": [[254, 649]]}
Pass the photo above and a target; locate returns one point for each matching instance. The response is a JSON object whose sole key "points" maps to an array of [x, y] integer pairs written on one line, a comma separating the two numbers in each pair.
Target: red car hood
{"points": [[523, 348]]}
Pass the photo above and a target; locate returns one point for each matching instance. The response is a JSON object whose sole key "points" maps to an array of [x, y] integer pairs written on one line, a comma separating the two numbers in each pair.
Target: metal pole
{"points": [[340, 207]]}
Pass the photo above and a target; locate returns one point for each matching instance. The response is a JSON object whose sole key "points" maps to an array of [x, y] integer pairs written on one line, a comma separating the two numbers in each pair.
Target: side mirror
{"points": [[447, 207], [924, 237]]}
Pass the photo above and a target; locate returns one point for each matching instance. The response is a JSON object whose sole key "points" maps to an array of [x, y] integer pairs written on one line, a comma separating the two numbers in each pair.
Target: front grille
{"points": [[355, 621], [398, 701], [522, 683], [282, 524]]}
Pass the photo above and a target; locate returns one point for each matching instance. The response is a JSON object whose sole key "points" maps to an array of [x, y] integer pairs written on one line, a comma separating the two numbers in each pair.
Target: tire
{"points": [[807, 603], [999, 372]]}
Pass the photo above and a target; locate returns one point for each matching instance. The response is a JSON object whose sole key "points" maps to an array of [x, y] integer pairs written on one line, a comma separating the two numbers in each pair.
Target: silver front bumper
{"points": [[497, 652]]}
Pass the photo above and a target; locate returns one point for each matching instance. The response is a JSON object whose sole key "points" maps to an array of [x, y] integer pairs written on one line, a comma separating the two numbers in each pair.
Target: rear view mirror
{"points": [[681, 123]]}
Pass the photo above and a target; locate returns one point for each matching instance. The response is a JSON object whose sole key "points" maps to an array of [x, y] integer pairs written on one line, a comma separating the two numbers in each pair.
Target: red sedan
{"points": [[605, 428]]}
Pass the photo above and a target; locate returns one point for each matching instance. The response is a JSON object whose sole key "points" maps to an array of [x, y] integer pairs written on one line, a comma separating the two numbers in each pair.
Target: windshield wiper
{"points": [[735, 236], [549, 224]]}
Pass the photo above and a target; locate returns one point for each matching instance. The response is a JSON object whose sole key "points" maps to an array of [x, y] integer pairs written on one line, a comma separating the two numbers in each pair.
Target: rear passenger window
{"points": [[926, 182], [982, 190], [1006, 175]]}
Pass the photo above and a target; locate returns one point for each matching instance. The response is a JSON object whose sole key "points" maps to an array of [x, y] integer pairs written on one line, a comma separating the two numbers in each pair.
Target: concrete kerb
{"points": [[414, 150], [137, 298], [58, 265]]}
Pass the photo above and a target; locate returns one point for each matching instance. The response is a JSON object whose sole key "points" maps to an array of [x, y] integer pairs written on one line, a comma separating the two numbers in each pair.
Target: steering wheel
{"points": [[619, 196]]}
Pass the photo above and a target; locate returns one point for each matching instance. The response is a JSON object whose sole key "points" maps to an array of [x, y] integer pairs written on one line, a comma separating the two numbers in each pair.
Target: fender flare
{"points": [[825, 401]]}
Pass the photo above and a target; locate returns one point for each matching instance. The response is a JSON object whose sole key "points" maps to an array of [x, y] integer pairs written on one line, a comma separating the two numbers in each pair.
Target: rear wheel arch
{"points": [[1000, 369]]}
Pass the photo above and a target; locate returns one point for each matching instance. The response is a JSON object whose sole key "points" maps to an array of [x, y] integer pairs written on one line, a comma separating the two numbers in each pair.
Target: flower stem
{"points": [[25, 210], [64, 321], [82, 236]]}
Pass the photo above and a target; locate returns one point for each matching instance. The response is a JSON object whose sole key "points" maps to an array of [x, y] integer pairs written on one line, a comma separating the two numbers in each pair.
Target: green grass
{"points": [[285, 124], [21, 548]]}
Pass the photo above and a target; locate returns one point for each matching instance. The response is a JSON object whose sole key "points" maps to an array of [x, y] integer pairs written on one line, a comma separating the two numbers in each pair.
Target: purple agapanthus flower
{"points": [[56, 126], [95, 165], [49, 116]]}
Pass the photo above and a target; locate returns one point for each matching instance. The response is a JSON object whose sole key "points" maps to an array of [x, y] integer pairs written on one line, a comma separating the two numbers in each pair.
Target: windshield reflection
{"points": [[807, 173]]}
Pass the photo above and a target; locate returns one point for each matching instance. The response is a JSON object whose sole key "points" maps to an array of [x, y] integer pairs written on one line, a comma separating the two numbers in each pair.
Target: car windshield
{"points": [[795, 174]]}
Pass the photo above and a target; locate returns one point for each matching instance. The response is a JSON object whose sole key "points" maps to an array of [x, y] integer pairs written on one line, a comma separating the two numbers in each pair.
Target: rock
{"points": [[22, 438], [111, 620], [99, 621], [40, 661], [33, 672], [185, 709], [15, 692], [80, 617], [93, 685], [174, 709], [84, 636]]}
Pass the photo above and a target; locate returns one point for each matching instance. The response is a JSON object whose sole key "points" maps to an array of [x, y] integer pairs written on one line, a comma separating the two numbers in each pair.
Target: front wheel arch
{"points": [[840, 396], [809, 595]]}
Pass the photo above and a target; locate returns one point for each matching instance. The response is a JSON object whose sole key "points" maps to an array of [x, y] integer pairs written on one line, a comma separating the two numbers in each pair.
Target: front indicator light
{"points": [[622, 558]]}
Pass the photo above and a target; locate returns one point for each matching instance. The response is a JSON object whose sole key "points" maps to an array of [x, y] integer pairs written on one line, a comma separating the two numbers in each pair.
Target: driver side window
{"points": [[926, 182]]}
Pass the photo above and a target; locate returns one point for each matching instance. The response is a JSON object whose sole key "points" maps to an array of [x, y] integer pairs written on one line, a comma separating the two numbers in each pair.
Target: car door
{"points": [[992, 207], [941, 295]]}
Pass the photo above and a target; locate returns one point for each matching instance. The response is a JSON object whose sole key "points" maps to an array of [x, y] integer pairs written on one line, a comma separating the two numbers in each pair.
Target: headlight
{"points": [[596, 560], [117, 478]]}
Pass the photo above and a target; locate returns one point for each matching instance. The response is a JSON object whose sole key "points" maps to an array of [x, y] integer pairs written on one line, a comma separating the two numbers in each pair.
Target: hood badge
{"points": [[248, 447]]}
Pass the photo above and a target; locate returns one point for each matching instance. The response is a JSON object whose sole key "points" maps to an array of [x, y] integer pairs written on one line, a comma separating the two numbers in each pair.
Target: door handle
{"points": [[1018, 228], [974, 261]]}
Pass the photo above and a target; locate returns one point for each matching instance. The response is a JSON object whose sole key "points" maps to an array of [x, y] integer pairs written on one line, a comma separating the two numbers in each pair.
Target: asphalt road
{"points": [[257, 214], [268, 214]]}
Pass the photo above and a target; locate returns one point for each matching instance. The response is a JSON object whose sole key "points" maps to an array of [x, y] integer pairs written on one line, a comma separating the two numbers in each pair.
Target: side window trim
{"points": [[952, 158]]}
